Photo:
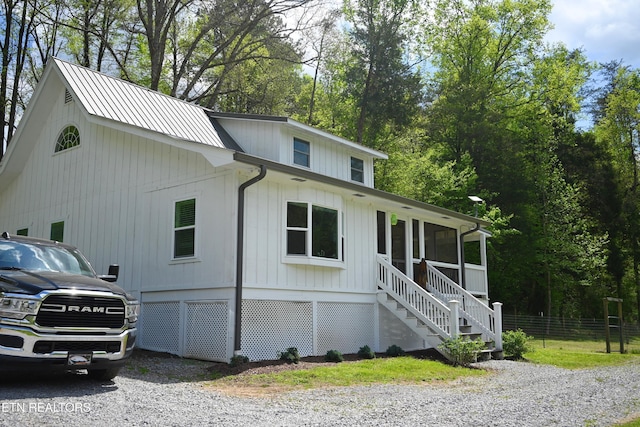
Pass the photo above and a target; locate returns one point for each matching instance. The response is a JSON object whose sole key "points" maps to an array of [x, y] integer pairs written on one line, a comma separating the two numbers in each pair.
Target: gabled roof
{"points": [[301, 127], [115, 99]]}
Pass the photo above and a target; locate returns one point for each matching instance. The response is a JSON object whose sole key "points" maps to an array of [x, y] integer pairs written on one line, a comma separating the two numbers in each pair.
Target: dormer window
{"points": [[301, 153], [357, 170], [68, 138]]}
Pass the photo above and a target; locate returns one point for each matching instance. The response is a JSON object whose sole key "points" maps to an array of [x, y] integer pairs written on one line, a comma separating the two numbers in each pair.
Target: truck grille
{"points": [[81, 311]]}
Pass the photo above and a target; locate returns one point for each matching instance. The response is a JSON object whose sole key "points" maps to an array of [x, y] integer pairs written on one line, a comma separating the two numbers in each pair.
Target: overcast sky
{"points": [[605, 29]]}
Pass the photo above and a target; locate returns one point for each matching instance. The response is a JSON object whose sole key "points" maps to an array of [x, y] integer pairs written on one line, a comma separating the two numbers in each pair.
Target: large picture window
{"points": [[312, 230], [184, 233]]}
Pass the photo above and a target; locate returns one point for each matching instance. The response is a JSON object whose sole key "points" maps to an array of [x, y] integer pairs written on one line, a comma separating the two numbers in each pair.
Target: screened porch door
{"points": [[399, 246]]}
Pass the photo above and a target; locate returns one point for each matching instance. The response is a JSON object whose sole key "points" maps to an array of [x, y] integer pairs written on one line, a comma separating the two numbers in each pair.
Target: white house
{"points": [[239, 233]]}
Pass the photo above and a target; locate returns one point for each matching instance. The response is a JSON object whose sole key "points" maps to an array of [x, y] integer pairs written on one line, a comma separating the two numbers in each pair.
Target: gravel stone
{"points": [[169, 391]]}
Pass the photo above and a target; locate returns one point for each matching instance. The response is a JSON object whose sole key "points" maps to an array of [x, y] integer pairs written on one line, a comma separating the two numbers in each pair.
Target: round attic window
{"points": [[68, 138]]}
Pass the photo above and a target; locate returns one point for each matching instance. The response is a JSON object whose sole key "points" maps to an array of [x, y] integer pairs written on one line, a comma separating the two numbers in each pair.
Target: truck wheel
{"points": [[103, 374]]}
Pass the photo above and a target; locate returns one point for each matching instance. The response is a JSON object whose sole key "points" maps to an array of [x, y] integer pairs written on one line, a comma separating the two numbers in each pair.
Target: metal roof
{"points": [[115, 99]]}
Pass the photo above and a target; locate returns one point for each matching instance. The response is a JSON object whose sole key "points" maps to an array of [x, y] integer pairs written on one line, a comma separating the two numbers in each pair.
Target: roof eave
{"points": [[357, 188]]}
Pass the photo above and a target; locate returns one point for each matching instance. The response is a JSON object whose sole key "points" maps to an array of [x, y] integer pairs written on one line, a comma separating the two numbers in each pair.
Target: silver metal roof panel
{"points": [[115, 99]]}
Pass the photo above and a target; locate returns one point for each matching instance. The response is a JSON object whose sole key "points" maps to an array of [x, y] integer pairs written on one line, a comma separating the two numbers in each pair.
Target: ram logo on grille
{"points": [[61, 308], [81, 311]]}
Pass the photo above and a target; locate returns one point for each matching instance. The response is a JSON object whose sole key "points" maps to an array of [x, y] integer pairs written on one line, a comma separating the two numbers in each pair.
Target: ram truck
{"points": [[56, 313]]}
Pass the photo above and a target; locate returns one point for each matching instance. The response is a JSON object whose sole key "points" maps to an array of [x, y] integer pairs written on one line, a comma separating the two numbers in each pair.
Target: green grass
{"points": [[410, 370], [633, 423], [406, 370], [581, 354]]}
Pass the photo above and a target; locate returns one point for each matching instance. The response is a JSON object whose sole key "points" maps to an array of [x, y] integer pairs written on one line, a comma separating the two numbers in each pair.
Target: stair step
{"points": [[484, 355], [465, 329], [471, 335]]}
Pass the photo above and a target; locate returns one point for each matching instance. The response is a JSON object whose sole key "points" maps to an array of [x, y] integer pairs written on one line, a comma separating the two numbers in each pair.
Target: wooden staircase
{"points": [[442, 311]]}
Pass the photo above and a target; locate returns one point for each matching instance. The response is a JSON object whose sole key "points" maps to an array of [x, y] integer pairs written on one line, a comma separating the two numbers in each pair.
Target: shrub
{"points": [[291, 355], [366, 353], [462, 351], [394, 351], [334, 356], [238, 360], [516, 343]]}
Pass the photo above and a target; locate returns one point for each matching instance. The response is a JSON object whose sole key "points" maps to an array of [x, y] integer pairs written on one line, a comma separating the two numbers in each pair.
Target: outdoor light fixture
{"points": [[476, 200]]}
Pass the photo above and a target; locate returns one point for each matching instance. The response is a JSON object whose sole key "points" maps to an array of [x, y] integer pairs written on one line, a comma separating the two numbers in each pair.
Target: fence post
{"points": [[497, 322], [454, 320]]}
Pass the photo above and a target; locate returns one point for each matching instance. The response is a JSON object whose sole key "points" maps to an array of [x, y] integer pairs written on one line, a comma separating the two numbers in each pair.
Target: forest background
{"points": [[465, 96]]}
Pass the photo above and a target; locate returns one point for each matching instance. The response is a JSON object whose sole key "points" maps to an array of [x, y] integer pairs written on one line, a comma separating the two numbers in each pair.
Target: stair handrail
{"points": [[429, 309], [471, 308]]}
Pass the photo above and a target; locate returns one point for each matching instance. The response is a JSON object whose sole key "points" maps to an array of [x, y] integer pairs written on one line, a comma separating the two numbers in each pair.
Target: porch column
{"points": [[497, 321], [454, 320]]}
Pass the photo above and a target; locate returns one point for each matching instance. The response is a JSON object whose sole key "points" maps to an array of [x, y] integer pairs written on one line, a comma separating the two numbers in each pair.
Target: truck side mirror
{"points": [[112, 276]]}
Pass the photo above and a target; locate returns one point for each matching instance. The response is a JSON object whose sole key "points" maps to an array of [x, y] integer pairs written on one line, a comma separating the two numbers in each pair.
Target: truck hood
{"points": [[32, 283]]}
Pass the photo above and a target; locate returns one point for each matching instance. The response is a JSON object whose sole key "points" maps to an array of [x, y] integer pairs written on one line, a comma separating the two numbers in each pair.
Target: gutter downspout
{"points": [[240, 257], [463, 282]]}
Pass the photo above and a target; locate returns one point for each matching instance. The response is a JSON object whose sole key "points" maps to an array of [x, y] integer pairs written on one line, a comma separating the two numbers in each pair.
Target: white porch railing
{"points": [[476, 279], [433, 312], [477, 314]]}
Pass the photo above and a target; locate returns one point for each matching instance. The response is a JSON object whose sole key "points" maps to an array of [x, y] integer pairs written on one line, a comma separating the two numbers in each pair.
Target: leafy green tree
{"points": [[483, 56], [384, 87], [619, 128], [15, 38]]}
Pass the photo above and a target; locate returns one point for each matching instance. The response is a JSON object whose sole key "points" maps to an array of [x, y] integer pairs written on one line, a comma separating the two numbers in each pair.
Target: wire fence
{"points": [[570, 329]]}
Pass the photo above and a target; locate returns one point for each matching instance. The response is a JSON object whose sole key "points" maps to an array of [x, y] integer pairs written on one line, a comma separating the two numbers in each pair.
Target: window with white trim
{"points": [[357, 169], [184, 229], [301, 153], [313, 231], [68, 138]]}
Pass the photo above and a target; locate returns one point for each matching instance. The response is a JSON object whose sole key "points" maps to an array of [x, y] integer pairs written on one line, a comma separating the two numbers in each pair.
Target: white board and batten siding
{"points": [[267, 266], [273, 140], [115, 193]]}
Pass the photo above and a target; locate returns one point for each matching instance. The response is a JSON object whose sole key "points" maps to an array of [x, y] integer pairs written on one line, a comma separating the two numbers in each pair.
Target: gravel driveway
{"points": [[160, 391]]}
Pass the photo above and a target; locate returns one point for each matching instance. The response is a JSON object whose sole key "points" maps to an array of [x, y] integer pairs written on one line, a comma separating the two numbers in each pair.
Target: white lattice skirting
{"points": [[204, 329]]}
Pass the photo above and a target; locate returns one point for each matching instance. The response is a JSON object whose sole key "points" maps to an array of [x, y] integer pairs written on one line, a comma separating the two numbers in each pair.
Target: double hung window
{"points": [[301, 153], [357, 169], [184, 232]]}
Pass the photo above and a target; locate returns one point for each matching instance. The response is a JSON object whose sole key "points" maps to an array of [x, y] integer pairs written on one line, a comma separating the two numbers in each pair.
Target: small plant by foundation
{"points": [[238, 360], [394, 351], [366, 353], [291, 355], [334, 356]]}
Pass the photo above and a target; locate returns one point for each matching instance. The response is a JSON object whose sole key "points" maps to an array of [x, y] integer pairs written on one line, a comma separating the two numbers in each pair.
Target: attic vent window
{"points": [[67, 97], [68, 138]]}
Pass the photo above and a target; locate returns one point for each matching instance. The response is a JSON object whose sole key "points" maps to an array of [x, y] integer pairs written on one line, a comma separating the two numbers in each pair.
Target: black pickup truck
{"points": [[57, 314]]}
